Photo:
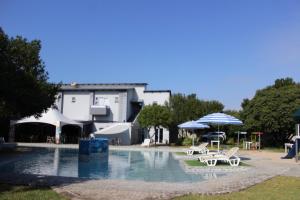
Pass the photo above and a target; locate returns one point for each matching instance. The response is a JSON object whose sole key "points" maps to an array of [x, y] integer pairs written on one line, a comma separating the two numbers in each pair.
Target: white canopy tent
{"points": [[119, 132], [51, 116]]}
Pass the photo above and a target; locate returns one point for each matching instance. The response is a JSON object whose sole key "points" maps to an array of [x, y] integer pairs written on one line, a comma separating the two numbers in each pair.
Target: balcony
{"points": [[99, 110]]}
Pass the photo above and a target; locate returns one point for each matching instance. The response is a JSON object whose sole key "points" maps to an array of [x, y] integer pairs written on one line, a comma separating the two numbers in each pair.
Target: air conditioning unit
{"points": [[99, 110]]}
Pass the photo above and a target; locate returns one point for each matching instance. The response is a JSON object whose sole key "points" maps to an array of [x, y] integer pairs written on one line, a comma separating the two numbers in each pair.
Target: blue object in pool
{"points": [[89, 146]]}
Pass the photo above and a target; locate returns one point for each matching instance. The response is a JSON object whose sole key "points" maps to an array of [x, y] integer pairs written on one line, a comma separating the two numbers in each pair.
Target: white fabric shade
{"points": [[51, 116], [113, 129]]}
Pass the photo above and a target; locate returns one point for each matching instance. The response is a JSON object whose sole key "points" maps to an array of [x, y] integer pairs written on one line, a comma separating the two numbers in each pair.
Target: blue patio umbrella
{"points": [[192, 125], [219, 119]]}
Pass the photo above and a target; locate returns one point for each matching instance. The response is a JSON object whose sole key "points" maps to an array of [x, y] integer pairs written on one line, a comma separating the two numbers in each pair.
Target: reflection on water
{"points": [[130, 165], [93, 166]]}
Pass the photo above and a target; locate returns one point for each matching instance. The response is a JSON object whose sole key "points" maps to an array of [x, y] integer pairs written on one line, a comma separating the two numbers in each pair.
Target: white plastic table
{"points": [[286, 146], [247, 145]]}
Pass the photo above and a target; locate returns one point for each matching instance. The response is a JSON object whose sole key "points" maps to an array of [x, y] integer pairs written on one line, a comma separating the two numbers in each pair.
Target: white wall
{"points": [[139, 90], [110, 96], [156, 97], [122, 107], [80, 109]]}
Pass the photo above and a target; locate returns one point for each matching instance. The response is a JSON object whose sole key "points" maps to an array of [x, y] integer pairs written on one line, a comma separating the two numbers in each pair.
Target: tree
{"points": [[231, 130], [154, 116], [188, 107], [271, 109], [24, 87]]}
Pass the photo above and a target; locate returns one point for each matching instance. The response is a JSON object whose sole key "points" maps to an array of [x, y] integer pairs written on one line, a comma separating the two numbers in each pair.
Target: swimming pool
{"points": [[150, 166]]}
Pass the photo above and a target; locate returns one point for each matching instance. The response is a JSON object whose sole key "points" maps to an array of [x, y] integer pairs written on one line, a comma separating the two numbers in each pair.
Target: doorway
{"points": [[159, 133]]}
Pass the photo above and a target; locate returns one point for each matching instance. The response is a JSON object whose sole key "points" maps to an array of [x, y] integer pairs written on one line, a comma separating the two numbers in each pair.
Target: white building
{"points": [[111, 110]]}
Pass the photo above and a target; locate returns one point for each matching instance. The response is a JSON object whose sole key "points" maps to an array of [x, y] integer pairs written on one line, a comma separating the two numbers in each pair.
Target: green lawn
{"points": [[11, 192], [180, 153], [278, 188]]}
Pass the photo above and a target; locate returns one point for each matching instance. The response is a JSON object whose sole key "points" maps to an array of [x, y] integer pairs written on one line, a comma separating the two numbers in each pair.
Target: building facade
{"points": [[111, 110]]}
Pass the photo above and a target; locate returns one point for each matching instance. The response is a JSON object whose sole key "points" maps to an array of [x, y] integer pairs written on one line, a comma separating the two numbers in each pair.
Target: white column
{"points": [[57, 132], [298, 129]]}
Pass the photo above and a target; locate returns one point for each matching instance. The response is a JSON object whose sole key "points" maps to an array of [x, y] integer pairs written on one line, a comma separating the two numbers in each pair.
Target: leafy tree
{"points": [[271, 109], [24, 89], [188, 107], [232, 129], [184, 108], [154, 116]]}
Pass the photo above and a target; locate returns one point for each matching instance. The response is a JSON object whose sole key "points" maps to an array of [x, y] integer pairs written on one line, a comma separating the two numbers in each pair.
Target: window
{"points": [[96, 101], [73, 99], [102, 101], [116, 99]]}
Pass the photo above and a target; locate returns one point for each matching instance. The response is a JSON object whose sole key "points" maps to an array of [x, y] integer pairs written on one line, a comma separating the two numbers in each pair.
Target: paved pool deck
{"points": [[264, 165]]}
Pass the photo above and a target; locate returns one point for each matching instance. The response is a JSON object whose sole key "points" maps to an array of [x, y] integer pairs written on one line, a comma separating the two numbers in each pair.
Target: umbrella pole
{"points": [[296, 150], [218, 138]]}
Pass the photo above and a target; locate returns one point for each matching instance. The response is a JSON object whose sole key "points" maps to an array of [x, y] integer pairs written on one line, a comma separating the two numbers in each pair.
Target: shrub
{"points": [[187, 141], [230, 140]]}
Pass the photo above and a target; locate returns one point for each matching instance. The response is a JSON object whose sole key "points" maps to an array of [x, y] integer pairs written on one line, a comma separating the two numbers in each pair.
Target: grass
{"points": [[279, 188], [180, 153], [197, 163], [8, 192]]}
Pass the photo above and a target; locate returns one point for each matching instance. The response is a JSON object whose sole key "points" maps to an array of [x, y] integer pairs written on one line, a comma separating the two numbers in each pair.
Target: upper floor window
{"points": [[116, 99], [73, 99], [101, 101]]}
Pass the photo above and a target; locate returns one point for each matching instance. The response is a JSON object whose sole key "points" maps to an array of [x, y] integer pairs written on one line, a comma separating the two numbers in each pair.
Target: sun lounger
{"points": [[146, 143], [229, 157], [201, 149]]}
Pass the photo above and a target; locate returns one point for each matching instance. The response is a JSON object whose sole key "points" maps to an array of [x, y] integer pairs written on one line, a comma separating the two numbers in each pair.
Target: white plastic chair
{"points": [[201, 149], [229, 157], [146, 143]]}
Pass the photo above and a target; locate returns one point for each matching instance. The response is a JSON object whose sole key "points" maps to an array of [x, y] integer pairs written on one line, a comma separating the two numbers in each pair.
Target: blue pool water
{"points": [[130, 165]]}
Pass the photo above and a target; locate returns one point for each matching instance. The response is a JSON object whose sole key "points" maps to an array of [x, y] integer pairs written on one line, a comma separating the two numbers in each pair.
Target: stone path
{"points": [[265, 165], [263, 169]]}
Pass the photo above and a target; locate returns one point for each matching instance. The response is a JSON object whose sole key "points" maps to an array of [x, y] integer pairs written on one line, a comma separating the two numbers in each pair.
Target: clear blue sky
{"points": [[222, 50]]}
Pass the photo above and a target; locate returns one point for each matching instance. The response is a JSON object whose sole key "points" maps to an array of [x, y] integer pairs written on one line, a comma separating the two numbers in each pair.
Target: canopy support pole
{"points": [[57, 132]]}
